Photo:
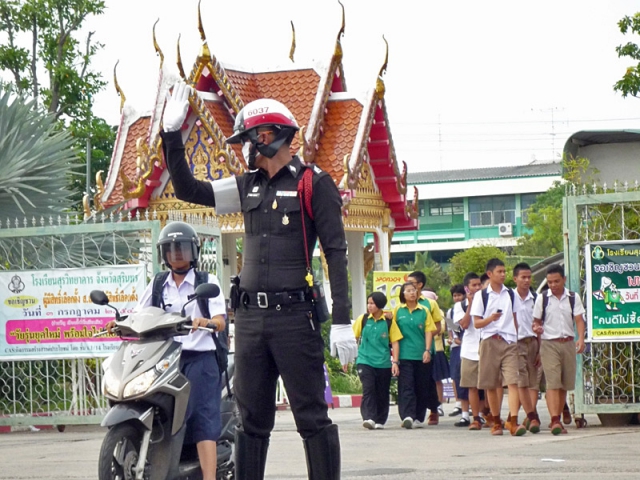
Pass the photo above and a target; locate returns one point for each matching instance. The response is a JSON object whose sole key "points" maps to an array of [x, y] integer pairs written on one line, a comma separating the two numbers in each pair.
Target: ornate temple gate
{"points": [[608, 374]]}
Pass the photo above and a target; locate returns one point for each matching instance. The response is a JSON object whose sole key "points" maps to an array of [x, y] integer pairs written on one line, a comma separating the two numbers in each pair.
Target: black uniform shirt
{"points": [[274, 257]]}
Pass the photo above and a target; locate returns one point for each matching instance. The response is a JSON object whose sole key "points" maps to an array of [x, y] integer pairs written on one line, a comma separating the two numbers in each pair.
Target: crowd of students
{"points": [[499, 338]]}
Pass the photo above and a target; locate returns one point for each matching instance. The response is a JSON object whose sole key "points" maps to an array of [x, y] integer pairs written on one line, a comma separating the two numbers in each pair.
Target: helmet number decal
{"points": [[257, 111]]}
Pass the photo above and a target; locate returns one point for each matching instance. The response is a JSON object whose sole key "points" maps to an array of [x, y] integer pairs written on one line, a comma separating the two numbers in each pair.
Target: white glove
{"points": [[175, 109], [343, 342]]}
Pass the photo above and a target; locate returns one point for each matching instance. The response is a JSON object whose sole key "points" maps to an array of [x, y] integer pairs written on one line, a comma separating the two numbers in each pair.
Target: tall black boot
{"points": [[323, 454], [251, 456]]}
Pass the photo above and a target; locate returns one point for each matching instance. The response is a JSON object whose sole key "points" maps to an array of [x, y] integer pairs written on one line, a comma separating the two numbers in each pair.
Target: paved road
{"points": [[442, 452]]}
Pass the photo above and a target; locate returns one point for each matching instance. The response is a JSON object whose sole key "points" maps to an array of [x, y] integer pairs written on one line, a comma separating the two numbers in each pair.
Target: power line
{"points": [[517, 122]]}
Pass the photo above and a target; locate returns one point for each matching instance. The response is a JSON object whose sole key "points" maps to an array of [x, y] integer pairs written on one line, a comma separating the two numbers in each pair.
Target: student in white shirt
{"points": [[469, 350], [528, 346], [498, 348], [555, 323]]}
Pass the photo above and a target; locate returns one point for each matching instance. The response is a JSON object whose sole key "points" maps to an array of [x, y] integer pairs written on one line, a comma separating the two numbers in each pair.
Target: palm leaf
{"points": [[36, 160]]}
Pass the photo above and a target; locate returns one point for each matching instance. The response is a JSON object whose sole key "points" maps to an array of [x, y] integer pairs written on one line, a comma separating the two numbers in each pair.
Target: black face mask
{"points": [[268, 151]]}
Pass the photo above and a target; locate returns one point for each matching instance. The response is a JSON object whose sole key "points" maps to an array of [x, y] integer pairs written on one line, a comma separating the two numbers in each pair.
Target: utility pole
{"points": [[552, 110]]}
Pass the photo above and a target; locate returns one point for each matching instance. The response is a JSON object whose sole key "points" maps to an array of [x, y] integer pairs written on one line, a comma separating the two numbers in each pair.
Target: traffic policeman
{"points": [[275, 330]]}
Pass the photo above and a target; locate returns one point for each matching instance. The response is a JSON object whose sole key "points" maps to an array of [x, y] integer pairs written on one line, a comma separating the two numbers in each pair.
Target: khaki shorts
{"points": [[469, 373], [498, 363], [528, 374], [559, 363]]}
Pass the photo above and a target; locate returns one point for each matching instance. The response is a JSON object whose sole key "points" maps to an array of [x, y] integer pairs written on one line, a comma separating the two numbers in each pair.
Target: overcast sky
{"points": [[469, 83]]}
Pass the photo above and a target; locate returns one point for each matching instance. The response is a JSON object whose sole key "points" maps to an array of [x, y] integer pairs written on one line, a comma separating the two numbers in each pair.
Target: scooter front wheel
{"points": [[119, 453]]}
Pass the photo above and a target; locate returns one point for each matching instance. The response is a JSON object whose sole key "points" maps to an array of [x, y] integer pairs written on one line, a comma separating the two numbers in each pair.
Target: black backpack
{"points": [[220, 340], [485, 299], [363, 319], [545, 302]]}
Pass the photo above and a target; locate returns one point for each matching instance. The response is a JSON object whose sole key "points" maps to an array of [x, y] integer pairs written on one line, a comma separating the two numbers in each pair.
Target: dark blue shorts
{"points": [[454, 366], [203, 410]]}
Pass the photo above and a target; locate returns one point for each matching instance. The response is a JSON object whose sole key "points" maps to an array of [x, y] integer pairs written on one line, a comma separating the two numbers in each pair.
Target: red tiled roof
{"points": [[296, 89], [139, 129], [224, 120], [340, 128]]}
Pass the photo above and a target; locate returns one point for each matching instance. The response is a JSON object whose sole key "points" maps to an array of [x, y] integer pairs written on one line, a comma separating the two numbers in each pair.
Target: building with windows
{"points": [[459, 209]]}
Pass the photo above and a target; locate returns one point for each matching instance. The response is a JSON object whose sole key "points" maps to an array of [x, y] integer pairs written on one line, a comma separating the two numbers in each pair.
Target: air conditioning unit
{"points": [[505, 229]]}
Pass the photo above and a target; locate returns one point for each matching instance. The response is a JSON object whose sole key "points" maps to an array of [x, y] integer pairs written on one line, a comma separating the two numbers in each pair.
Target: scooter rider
{"points": [[274, 331], [179, 248]]}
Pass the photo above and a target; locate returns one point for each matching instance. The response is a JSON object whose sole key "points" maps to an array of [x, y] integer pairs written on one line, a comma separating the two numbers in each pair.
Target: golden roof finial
{"points": [[117, 85], [156, 46], [380, 88], [179, 62], [338, 51], [205, 54], [293, 42], [383, 70], [341, 32]]}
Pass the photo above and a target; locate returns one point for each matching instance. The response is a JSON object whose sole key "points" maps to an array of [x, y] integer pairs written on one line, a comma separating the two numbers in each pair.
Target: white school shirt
{"points": [[558, 322], [471, 338], [199, 341], [496, 301], [450, 326], [524, 312]]}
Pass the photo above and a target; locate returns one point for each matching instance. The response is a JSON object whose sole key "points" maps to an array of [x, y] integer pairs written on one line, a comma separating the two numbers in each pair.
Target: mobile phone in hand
{"points": [[499, 311]]}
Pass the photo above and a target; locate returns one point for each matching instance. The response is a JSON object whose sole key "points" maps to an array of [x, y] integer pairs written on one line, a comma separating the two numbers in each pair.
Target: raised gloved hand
{"points": [[175, 110], [343, 343]]}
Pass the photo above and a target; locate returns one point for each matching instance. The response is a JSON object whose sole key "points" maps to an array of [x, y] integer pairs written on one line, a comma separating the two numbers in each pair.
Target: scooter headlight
{"points": [[110, 384], [141, 383]]}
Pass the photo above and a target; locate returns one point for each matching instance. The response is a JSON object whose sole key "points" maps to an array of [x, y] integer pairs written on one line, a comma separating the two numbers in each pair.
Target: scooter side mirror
{"points": [[207, 290], [204, 290], [99, 297]]}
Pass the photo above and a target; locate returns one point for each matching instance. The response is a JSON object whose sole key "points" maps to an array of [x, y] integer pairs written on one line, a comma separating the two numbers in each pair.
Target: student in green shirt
{"points": [[374, 363], [417, 327]]}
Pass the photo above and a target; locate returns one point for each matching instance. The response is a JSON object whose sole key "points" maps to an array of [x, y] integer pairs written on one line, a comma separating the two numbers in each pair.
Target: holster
{"points": [[234, 294], [320, 308]]}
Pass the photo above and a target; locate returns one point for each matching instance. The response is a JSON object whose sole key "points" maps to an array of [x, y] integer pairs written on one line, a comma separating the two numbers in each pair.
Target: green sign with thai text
{"points": [[613, 290]]}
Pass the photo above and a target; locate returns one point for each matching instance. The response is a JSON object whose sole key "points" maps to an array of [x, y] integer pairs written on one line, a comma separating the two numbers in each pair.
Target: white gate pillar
{"points": [[355, 253]]}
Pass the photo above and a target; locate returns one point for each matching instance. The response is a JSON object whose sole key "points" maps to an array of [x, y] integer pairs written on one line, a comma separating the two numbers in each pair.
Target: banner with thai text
{"points": [[48, 313], [613, 291], [390, 284]]}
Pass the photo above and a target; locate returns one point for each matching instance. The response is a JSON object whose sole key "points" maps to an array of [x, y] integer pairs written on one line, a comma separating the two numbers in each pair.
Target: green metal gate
{"points": [[608, 374], [52, 391]]}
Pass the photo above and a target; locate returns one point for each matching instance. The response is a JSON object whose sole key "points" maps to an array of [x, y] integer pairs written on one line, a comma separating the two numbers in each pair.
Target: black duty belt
{"points": [[274, 299]]}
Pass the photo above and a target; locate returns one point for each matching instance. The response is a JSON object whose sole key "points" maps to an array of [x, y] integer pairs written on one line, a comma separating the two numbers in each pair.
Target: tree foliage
{"points": [[437, 278], [473, 259], [47, 59], [629, 84], [545, 223]]}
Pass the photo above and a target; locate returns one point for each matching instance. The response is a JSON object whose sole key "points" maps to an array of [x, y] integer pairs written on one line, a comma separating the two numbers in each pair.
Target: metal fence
{"points": [[608, 374], [53, 391]]}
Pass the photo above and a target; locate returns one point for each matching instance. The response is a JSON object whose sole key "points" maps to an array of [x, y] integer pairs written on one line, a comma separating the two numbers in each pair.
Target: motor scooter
{"points": [[148, 396]]}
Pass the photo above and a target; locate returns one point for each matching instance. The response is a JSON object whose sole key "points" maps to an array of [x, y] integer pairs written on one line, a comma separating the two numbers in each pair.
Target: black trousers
{"points": [[416, 390], [375, 393], [271, 343]]}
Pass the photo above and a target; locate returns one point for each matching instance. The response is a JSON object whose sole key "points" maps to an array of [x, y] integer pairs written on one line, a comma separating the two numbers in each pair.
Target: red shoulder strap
{"points": [[305, 191]]}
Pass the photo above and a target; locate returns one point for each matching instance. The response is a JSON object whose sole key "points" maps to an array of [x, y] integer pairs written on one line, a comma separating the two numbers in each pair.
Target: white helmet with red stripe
{"points": [[261, 113]]}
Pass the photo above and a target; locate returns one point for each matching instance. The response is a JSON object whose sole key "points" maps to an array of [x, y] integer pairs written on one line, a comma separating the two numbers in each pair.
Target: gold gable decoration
{"points": [[147, 157]]}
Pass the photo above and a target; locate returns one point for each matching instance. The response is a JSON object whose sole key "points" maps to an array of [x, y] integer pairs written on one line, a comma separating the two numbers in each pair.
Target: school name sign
{"points": [[613, 291], [48, 313]]}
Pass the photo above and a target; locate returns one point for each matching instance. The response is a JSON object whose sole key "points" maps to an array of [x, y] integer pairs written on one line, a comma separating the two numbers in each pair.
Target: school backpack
{"points": [[363, 320], [220, 340], [545, 303], [485, 298]]}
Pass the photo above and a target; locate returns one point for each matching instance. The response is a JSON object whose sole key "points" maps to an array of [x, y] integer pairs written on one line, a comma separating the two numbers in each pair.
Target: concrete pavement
{"points": [[439, 452]]}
